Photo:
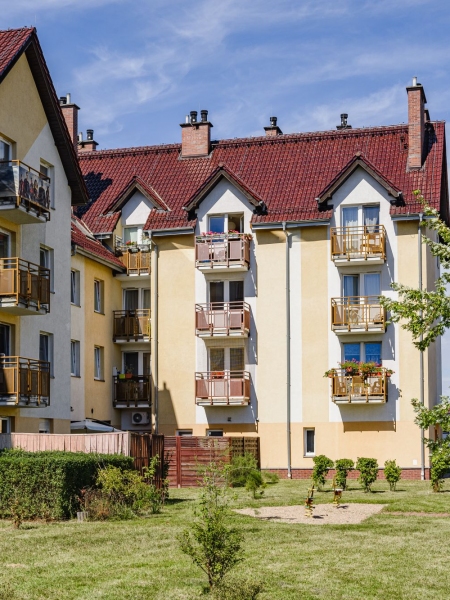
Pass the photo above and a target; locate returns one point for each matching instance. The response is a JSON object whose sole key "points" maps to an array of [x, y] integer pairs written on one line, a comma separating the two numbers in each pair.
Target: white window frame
{"points": [[226, 217], [184, 432], [360, 208], [45, 426], [362, 349], [49, 263], [10, 144], [75, 287], [227, 357], [305, 441], [74, 358], [139, 233], [6, 420], [214, 432], [98, 363], [98, 296], [50, 350]]}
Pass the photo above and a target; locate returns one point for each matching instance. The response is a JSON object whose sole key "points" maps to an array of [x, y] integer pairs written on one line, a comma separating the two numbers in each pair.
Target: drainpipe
{"points": [[288, 355], [154, 247], [421, 368]]}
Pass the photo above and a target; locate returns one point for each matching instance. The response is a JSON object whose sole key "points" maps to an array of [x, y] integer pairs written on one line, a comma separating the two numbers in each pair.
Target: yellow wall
{"points": [[21, 112]]}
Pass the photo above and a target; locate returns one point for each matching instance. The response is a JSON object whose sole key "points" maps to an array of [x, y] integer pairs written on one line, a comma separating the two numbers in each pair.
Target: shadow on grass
{"points": [[173, 501]]}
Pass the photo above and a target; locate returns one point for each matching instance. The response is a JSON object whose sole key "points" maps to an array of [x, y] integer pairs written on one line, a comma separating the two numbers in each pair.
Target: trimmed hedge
{"points": [[47, 485]]}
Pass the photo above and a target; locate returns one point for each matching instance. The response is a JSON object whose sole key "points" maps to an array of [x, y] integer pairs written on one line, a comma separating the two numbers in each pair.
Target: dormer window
{"points": [[226, 223], [354, 216], [132, 235]]}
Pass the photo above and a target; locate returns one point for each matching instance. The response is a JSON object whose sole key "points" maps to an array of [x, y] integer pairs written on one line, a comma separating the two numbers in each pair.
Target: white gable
{"points": [[224, 198], [136, 210]]}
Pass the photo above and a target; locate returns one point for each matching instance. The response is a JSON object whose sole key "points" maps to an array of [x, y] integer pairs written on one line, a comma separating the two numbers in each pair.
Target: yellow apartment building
{"points": [[262, 261], [40, 180]]}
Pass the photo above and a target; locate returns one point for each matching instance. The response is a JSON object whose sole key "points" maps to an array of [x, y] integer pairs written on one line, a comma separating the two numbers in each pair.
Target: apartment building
{"points": [[40, 180], [264, 259]]}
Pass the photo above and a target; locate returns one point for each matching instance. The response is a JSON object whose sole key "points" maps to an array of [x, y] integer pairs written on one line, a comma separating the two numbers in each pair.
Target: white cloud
{"points": [[30, 8]]}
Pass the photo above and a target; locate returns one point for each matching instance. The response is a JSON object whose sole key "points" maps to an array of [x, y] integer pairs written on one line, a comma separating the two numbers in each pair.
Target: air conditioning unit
{"points": [[140, 418]]}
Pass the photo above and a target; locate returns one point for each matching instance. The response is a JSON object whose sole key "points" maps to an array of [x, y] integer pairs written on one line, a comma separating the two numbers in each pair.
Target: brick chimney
{"points": [[87, 145], [416, 124], [273, 129], [70, 113], [196, 135]]}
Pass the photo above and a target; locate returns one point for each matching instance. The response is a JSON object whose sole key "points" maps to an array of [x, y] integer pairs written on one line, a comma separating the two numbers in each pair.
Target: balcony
{"points": [[221, 252], [24, 193], [358, 245], [135, 258], [357, 314], [222, 388], [24, 287], [222, 319], [359, 389], [24, 382], [132, 391], [131, 325]]}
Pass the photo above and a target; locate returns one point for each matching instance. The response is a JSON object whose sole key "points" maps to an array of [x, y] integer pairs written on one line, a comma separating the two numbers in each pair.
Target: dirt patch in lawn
{"points": [[323, 514]]}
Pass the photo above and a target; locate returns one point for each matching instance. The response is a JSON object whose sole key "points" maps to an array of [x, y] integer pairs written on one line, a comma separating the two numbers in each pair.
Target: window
{"points": [[48, 198], [214, 432], [5, 339], [5, 245], [5, 150], [309, 442], [146, 363], [217, 359], [75, 358], [146, 298], [98, 362], [98, 296], [46, 261], [132, 235], [236, 359], [5, 423], [366, 351], [225, 223], [184, 432], [44, 426], [353, 216], [131, 362], [227, 359], [359, 287], [131, 299], [46, 349], [226, 291], [75, 287]]}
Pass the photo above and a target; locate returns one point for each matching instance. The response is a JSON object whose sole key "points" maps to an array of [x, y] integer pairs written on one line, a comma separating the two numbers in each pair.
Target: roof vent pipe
{"points": [[80, 136], [89, 135], [62, 100], [273, 121], [204, 115], [187, 119], [68, 99], [193, 116], [414, 81], [344, 117]]}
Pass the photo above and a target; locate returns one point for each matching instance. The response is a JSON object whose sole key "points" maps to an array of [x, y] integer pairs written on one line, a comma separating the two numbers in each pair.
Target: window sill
{"points": [[309, 455], [76, 376], [99, 312], [75, 304], [97, 379]]}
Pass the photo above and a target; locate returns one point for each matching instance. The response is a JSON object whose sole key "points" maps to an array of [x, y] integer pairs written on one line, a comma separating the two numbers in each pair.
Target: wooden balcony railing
{"points": [[136, 259], [131, 324], [222, 319], [357, 389], [358, 243], [21, 185], [222, 388], [222, 250], [24, 284], [24, 381], [132, 391], [357, 314]]}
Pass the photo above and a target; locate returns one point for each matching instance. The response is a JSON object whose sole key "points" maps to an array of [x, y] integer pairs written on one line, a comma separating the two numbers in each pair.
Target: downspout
{"points": [[421, 367], [288, 355], [154, 247]]}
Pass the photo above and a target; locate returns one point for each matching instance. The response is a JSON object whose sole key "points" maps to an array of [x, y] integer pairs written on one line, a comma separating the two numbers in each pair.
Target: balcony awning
{"points": [[91, 425]]}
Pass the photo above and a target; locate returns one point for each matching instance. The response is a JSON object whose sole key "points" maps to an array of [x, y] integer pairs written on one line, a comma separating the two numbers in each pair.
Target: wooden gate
{"points": [[143, 446], [188, 454]]}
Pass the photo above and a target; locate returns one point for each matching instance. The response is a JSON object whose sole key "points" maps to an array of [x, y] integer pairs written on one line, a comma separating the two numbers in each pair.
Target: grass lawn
{"points": [[389, 556]]}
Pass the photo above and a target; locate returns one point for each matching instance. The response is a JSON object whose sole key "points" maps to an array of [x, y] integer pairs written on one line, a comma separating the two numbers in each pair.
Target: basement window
{"points": [[309, 442]]}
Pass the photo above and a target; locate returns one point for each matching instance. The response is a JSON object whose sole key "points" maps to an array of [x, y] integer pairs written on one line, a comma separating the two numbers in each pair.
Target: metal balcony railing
{"points": [[22, 185], [24, 381], [24, 284], [131, 391], [222, 250], [222, 388], [222, 319], [357, 314], [347, 388], [358, 243], [131, 324]]}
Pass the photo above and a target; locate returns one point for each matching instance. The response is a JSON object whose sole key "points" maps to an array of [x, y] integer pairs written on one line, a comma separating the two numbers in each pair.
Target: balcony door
{"points": [[236, 291], [372, 287], [131, 362], [5, 245], [131, 299], [5, 339], [351, 288]]}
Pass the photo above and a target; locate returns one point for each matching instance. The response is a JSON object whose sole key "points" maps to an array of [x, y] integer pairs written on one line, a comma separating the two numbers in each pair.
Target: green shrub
{"points": [[47, 485], [392, 473], [322, 464], [239, 469], [237, 588], [271, 478], [368, 472], [440, 464], [343, 467], [255, 484]]}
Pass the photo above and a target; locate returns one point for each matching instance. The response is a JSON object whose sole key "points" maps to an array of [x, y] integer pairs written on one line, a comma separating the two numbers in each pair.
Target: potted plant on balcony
{"points": [[128, 373], [351, 367], [330, 373]]}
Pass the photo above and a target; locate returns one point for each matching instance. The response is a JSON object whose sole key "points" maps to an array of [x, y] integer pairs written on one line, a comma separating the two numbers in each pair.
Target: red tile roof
{"points": [[287, 172], [12, 42], [83, 237]]}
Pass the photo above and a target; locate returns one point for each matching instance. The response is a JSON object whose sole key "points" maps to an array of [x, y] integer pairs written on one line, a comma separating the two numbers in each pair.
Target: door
{"points": [[350, 223], [131, 299], [236, 291], [131, 362], [351, 288], [372, 287], [371, 217]]}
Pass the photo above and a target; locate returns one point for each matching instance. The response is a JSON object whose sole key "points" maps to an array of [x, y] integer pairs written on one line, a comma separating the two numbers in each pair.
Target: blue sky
{"points": [[136, 68]]}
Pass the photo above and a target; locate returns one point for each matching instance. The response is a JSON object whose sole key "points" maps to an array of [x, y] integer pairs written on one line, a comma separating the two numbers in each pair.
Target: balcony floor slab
{"points": [[222, 268], [359, 330], [223, 402], [358, 262]]}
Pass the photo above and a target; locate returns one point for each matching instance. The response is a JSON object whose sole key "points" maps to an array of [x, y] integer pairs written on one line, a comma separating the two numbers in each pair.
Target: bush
{"points": [[271, 478], [343, 467], [368, 472], [237, 588], [243, 472], [440, 465], [322, 464], [392, 473], [47, 485], [209, 541]]}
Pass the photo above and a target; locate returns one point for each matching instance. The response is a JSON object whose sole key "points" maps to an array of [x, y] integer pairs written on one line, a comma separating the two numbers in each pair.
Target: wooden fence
{"points": [[186, 454], [101, 443]]}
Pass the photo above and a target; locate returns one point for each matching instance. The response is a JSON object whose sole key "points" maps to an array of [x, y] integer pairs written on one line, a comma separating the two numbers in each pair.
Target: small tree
{"points": [[343, 467], [209, 541], [392, 473], [368, 472], [322, 464], [438, 416]]}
